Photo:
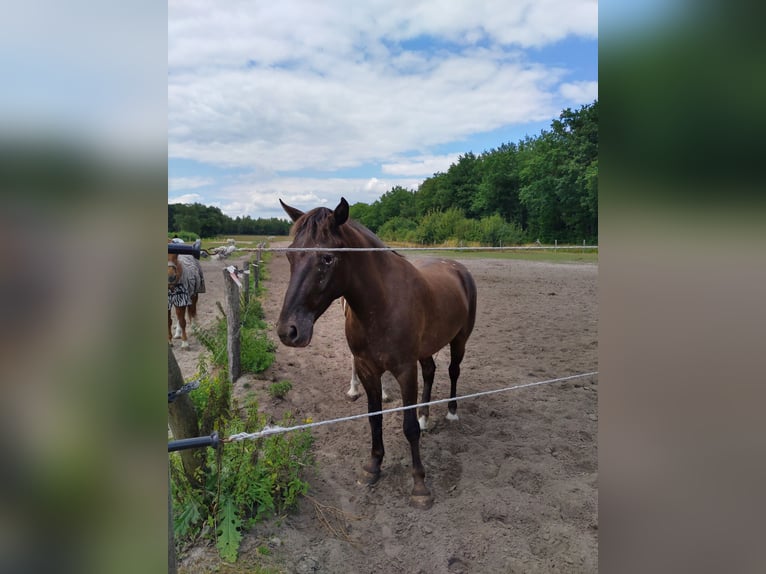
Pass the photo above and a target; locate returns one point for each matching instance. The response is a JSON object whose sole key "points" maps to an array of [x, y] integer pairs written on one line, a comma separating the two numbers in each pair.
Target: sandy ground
{"points": [[514, 480]]}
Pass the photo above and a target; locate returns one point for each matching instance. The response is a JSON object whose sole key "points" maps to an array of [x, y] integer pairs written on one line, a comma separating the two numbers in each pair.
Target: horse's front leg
{"points": [[181, 317], [370, 379], [408, 383]]}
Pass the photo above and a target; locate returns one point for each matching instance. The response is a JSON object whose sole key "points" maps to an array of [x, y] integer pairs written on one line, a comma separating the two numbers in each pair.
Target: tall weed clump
{"points": [[257, 351], [246, 481], [243, 481]]}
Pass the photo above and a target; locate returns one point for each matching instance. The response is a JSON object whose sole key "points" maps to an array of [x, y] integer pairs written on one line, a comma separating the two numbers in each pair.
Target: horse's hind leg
{"points": [[353, 390], [428, 366], [457, 350], [192, 310]]}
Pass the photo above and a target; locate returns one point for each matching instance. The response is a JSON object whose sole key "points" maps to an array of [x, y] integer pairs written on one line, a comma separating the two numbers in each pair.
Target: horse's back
{"points": [[447, 279], [192, 274], [450, 298]]}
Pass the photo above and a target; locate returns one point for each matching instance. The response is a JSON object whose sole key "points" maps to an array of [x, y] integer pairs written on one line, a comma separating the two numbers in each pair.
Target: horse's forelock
{"points": [[317, 225]]}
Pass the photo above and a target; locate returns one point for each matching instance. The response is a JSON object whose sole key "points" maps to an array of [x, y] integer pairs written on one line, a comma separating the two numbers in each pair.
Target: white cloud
{"points": [[580, 92], [259, 197], [296, 85], [422, 165], [186, 198], [277, 120], [179, 183], [309, 33]]}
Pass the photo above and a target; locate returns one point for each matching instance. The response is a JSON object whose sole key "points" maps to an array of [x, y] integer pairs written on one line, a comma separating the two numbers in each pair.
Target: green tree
{"points": [[463, 179], [498, 191]]}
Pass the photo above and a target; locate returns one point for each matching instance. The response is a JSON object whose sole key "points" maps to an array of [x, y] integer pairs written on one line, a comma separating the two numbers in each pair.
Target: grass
{"points": [[550, 255], [561, 256]]}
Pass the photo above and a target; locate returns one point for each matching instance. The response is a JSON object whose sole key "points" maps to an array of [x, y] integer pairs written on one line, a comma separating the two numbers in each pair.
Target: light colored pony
{"points": [[185, 283]]}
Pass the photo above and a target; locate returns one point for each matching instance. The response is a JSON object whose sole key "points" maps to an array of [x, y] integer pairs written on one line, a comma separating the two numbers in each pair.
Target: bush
{"points": [[397, 229], [280, 389]]}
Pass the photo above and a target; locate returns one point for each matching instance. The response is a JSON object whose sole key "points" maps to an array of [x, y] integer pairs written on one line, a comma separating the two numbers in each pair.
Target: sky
{"points": [[309, 101]]}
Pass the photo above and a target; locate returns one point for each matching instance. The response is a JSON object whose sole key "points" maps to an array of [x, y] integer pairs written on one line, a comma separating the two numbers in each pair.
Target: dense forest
{"points": [[542, 188], [205, 221]]}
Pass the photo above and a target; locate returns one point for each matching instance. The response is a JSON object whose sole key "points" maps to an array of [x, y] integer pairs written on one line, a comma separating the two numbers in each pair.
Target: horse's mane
{"points": [[318, 224]]}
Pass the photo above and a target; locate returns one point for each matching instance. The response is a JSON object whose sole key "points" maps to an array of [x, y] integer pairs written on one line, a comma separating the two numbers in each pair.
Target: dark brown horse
{"points": [[185, 283], [400, 313]]}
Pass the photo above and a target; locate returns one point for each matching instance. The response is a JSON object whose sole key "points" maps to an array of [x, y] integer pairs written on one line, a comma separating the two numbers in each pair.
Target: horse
{"points": [[400, 313], [353, 390], [185, 283]]}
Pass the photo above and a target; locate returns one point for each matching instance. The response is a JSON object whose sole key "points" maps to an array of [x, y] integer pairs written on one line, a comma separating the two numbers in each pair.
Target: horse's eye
{"points": [[327, 259]]}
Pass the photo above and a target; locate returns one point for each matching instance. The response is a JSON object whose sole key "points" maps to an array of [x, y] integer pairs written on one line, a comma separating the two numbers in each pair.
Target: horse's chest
{"points": [[380, 344]]}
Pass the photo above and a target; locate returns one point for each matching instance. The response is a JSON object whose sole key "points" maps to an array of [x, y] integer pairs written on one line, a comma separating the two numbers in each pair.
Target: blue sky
{"points": [[310, 101]]}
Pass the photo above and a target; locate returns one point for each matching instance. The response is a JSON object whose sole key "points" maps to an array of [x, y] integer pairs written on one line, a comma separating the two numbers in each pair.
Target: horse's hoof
{"points": [[368, 478], [451, 417], [351, 398], [421, 501], [185, 345], [423, 422]]}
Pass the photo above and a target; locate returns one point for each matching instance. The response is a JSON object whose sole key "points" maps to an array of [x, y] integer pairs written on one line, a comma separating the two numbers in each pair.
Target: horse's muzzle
{"points": [[295, 333]]}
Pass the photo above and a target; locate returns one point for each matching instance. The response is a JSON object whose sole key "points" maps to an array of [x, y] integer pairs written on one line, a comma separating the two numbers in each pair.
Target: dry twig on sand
{"points": [[333, 519]]}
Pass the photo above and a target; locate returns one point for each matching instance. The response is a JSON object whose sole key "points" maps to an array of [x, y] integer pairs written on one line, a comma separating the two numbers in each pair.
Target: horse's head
{"points": [[317, 278], [174, 269]]}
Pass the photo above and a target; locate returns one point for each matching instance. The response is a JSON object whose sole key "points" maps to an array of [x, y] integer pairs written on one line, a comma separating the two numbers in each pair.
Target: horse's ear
{"points": [[294, 214], [340, 215]]}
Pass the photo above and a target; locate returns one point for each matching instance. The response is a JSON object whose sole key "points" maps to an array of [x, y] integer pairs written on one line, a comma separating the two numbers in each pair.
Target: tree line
{"points": [[205, 221], [541, 188]]}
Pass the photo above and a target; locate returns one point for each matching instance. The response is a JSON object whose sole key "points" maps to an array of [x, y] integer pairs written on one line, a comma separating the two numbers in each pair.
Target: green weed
{"points": [[280, 389]]}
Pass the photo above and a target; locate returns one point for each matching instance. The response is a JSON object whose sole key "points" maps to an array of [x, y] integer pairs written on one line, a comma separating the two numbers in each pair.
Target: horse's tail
{"points": [[472, 292], [192, 309]]}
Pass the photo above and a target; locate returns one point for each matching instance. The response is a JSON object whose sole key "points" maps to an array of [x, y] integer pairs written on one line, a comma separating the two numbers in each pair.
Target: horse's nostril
{"points": [[293, 334]]}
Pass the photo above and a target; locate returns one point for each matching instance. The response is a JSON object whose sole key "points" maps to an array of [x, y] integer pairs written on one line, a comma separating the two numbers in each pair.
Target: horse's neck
{"points": [[367, 292]]}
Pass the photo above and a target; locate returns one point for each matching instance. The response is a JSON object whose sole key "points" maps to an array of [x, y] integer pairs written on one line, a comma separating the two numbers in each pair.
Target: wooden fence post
{"points": [[172, 566], [258, 265], [182, 418], [246, 277], [232, 324]]}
